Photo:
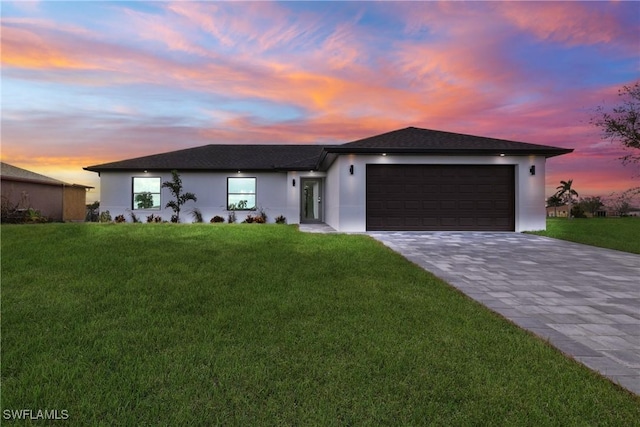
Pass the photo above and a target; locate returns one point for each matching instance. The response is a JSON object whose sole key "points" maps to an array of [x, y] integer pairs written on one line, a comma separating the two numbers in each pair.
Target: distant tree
{"points": [[554, 202], [591, 204], [144, 200], [622, 123], [622, 203], [577, 211], [175, 186], [566, 194], [92, 212]]}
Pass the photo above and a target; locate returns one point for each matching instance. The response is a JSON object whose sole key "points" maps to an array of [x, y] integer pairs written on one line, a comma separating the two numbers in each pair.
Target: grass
{"points": [[622, 234], [164, 324]]}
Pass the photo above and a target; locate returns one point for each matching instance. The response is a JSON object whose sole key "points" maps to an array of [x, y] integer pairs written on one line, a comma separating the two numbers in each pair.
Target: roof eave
{"points": [[157, 169], [430, 151]]}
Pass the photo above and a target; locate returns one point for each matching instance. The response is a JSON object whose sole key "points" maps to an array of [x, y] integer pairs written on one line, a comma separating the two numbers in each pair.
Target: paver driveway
{"points": [[584, 300]]}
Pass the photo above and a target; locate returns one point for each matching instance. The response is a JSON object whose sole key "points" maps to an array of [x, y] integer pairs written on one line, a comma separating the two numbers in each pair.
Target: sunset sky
{"points": [[85, 83]]}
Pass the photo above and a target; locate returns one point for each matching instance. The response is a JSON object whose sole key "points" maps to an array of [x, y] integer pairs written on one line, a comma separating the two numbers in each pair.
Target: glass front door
{"points": [[311, 200]]}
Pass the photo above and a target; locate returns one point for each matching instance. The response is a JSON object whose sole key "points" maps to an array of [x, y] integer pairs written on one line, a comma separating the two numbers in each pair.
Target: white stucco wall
{"points": [[346, 193], [344, 201], [272, 194]]}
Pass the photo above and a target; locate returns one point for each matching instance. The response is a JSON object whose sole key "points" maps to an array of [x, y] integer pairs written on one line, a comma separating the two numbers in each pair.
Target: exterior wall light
{"points": [[532, 170], [294, 182], [351, 169]]}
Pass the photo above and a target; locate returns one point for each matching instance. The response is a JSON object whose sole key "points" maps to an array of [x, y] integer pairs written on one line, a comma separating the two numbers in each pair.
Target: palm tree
{"points": [[175, 186], [566, 193]]}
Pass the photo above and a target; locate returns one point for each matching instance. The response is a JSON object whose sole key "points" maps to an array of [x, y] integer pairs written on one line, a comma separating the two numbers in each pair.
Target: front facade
{"points": [[409, 179]]}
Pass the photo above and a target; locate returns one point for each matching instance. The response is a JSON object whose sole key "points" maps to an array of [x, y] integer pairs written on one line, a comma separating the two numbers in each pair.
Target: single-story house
{"points": [[408, 179], [55, 199], [557, 211]]}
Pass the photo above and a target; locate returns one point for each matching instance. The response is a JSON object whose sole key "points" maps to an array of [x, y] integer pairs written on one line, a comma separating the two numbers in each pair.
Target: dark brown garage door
{"points": [[440, 197]]}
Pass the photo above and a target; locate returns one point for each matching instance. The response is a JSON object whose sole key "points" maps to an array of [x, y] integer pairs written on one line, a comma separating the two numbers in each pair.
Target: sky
{"points": [[85, 83]]}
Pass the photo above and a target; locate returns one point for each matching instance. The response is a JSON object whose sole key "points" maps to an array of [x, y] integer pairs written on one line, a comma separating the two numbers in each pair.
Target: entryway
{"points": [[311, 196]]}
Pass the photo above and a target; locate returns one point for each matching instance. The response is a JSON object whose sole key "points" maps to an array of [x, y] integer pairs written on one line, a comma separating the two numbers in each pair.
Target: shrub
{"points": [[134, 217], [105, 216], [197, 215], [280, 219], [248, 220], [217, 218], [232, 217], [120, 218], [262, 215], [154, 218], [33, 215], [259, 220], [577, 212]]}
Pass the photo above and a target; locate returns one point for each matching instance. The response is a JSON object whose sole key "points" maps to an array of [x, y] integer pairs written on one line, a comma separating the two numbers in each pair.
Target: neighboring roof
{"points": [[225, 157], [14, 173], [10, 171], [411, 140]]}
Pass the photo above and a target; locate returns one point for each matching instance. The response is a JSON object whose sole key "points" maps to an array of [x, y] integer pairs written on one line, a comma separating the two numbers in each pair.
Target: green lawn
{"points": [[622, 234], [165, 324]]}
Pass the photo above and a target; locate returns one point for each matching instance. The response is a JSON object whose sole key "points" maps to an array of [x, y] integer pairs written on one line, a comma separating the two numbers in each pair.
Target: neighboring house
{"points": [[56, 200], [557, 211], [408, 179]]}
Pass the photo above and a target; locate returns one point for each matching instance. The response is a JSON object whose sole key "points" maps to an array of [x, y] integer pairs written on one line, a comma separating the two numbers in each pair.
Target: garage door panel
{"points": [[449, 222], [466, 188], [429, 205], [485, 205], [376, 205], [440, 197], [429, 222], [412, 205], [448, 205], [467, 222], [502, 204]]}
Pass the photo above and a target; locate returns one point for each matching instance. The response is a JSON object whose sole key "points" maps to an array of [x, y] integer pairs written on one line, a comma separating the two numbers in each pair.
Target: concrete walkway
{"points": [[584, 300]]}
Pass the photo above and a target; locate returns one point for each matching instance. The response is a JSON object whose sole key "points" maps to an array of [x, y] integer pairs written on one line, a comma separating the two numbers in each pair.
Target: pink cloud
{"points": [[572, 23]]}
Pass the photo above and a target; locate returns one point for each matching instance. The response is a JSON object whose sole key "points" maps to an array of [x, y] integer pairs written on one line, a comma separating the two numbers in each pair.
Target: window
{"points": [[146, 193], [241, 194]]}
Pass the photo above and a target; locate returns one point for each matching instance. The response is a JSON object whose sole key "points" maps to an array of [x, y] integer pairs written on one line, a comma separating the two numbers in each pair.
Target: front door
{"points": [[311, 200]]}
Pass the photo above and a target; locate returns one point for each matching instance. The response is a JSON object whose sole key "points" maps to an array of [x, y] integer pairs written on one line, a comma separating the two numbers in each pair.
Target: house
{"points": [[408, 179], [557, 211], [56, 200]]}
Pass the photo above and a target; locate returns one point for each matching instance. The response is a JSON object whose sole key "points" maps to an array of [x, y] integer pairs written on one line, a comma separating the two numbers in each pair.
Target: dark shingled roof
{"points": [[225, 158], [411, 140]]}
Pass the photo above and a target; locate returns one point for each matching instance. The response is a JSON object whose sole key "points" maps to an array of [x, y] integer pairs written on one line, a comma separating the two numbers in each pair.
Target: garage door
{"points": [[440, 197]]}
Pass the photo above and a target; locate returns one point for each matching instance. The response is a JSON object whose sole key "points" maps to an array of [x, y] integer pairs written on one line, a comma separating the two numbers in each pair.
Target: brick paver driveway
{"points": [[584, 300]]}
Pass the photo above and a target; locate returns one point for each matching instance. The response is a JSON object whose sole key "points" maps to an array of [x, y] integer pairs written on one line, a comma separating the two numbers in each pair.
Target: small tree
{"points": [[622, 123], [622, 203], [175, 186], [92, 212], [591, 204], [566, 193]]}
